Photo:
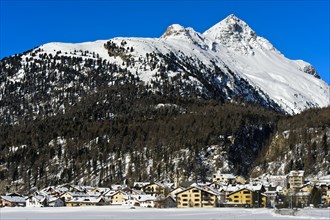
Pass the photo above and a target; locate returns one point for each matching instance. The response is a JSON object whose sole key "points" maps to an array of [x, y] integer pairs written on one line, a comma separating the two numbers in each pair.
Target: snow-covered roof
{"points": [[141, 198], [86, 200], [111, 193], [117, 186], [169, 185], [93, 194], [101, 189], [324, 179], [56, 189], [78, 194], [225, 175], [39, 198], [83, 194], [270, 192], [146, 199], [234, 188], [302, 194], [140, 184], [175, 191], [205, 189], [162, 185], [296, 173], [14, 199], [231, 188]]}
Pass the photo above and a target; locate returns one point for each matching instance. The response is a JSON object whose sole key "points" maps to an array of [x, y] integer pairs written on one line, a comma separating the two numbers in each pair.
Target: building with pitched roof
{"points": [[197, 197]]}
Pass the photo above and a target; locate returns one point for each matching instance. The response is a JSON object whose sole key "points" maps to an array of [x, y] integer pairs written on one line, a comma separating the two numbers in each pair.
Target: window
{"points": [[195, 191], [247, 197], [246, 192], [184, 200], [196, 195], [235, 196], [184, 204], [184, 195], [235, 200], [196, 200]]}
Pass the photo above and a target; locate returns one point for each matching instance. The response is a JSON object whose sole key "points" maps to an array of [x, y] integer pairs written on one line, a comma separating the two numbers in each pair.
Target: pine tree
{"points": [[315, 196]]}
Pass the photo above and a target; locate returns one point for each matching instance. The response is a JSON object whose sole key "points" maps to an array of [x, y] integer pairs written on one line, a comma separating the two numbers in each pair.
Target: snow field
{"points": [[126, 213]]}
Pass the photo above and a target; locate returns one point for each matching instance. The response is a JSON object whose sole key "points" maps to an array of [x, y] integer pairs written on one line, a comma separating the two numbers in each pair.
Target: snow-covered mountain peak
{"points": [[173, 30], [233, 33], [177, 32], [233, 23], [231, 27]]}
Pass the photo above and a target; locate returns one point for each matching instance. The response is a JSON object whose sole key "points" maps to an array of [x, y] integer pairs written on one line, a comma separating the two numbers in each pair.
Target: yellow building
{"points": [[154, 189], [196, 197], [240, 180], [306, 188], [302, 197], [296, 178], [325, 188], [68, 196], [246, 198], [116, 197], [223, 177], [327, 197]]}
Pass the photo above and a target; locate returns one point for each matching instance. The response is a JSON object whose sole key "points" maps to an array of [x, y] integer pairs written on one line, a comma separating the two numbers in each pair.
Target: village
{"points": [[225, 190]]}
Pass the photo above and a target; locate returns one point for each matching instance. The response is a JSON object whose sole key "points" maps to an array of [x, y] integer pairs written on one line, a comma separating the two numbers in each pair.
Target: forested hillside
{"points": [[301, 142], [145, 137]]}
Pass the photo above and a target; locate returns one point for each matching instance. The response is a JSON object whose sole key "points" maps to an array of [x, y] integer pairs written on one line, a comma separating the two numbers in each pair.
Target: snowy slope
{"points": [[256, 59], [238, 53], [124, 212]]}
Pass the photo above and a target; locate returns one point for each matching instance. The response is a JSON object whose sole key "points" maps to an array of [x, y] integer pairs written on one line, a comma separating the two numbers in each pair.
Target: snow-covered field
{"points": [[125, 213]]}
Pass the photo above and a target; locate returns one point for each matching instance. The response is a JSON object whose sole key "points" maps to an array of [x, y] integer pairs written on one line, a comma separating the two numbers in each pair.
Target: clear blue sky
{"points": [[298, 28]]}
